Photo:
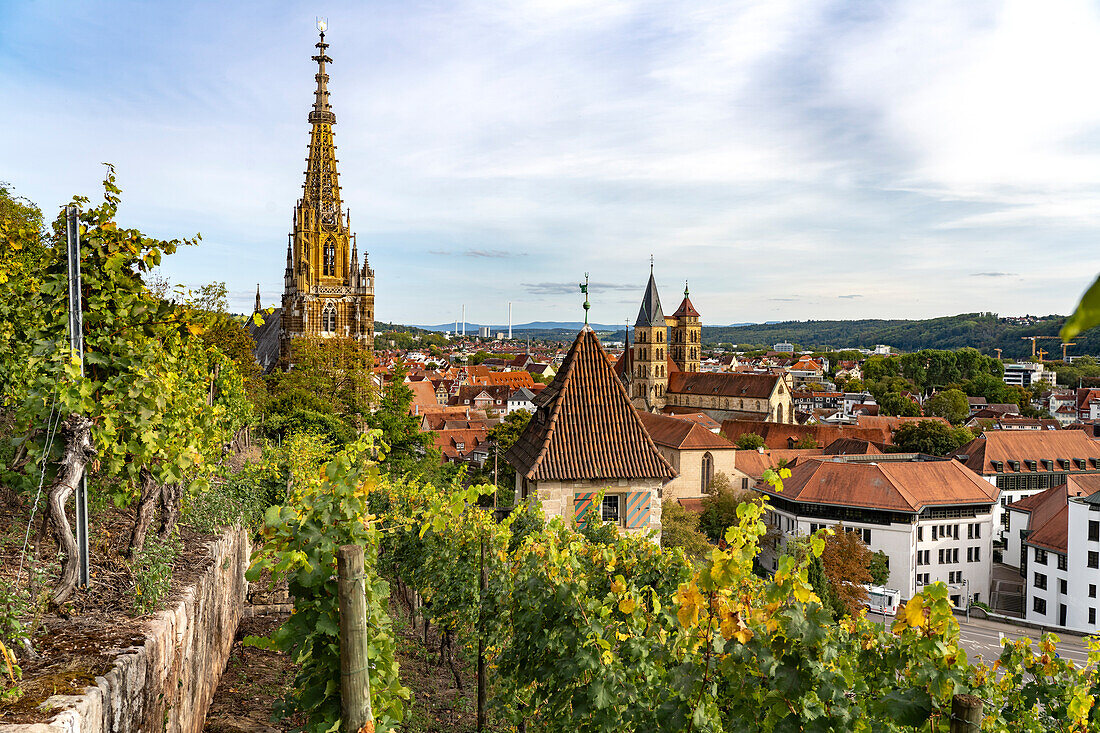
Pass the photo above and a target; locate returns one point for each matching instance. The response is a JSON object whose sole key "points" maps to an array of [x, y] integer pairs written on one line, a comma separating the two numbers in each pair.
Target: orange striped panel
{"points": [[637, 509]]}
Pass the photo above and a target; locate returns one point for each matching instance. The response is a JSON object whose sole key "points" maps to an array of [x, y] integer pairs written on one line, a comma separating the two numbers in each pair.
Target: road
{"points": [[981, 637]]}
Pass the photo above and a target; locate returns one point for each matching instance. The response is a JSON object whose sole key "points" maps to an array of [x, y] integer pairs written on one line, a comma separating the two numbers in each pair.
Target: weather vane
{"points": [[587, 305]]}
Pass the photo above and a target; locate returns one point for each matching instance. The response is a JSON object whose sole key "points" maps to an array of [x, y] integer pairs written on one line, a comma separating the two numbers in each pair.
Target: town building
{"points": [[932, 518], [1025, 374], [1055, 538], [1021, 463], [520, 399], [697, 454], [585, 438]]}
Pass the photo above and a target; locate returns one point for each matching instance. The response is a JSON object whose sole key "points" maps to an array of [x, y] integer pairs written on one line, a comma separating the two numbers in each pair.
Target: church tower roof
{"points": [[650, 314], [686, 309], [584, 426], [321, 191]]}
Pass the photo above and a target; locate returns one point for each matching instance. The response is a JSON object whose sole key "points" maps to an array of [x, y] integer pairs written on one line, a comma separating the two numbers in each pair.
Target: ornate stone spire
{"points": [[322, 111], [258, 306], [322, 187]]}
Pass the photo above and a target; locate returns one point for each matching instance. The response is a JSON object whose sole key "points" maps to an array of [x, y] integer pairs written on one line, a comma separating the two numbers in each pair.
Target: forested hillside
{"points": [[983, 331]]}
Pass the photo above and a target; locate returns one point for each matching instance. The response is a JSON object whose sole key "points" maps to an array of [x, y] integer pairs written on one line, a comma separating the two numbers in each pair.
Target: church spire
{"points": [[322, 110], [258, 306]]}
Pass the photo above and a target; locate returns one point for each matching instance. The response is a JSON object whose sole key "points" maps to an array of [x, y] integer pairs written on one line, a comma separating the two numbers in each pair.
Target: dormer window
{"points": [[1032, 464], [1048, 465], [1080, 463], [1014, 465]]}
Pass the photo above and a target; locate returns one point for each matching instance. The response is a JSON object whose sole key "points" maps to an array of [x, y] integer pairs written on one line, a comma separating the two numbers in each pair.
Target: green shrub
{"points": [[152, 572]]}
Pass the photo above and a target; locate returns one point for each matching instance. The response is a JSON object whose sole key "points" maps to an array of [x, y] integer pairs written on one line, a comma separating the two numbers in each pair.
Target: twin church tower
{"points": [[326, 292]]}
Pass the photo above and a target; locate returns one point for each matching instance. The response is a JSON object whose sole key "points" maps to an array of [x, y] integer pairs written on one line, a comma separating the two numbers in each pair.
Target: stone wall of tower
{"points": [[649, 373], [686, 342]]}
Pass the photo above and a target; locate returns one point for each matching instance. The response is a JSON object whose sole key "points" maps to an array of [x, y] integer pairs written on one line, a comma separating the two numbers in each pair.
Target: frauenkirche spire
{"points": [[326, 291]]}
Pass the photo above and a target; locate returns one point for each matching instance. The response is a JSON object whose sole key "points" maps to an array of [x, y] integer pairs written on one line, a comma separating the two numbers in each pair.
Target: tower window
{"points": [[330, 259], [328, 319]]}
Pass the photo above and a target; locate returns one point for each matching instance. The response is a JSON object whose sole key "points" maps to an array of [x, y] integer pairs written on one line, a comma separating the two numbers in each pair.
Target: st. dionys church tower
{"points": [[326, 292]]}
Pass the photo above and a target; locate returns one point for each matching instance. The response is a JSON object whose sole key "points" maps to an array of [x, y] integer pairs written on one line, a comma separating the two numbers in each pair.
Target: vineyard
{"points": [[581, 629]]}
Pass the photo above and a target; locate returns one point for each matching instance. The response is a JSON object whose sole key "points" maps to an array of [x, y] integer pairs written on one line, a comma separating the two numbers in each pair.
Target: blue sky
{"points": [[791, 159]]}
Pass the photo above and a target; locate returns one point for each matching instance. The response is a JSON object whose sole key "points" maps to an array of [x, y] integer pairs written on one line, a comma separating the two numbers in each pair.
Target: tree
{"points": [[950, 404], [931, 437], [680, 528], [806, 442], [749, 441], [845, 560], [24, 252], [503, 436], [893, 403], [720, 506], [401, 433], [879, 568], [337, 368]]}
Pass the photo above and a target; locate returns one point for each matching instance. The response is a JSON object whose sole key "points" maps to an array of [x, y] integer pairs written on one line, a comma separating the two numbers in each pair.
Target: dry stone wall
{"points": [[165, 684]]}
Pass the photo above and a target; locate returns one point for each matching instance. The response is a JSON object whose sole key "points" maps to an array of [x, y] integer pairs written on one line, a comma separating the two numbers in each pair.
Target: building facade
{"points": [[932, 519], [326, 291]]}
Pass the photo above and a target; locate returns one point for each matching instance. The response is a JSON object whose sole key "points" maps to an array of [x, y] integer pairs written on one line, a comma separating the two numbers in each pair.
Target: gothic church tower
{"points": [[326, 292], [686, 328], [649, 376]]}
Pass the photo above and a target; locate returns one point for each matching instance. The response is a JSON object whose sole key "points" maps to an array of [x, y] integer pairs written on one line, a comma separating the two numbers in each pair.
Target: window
{"points": [[1063, 563], [1092, 590], [1039, 606], [706, 472], [1063, 586], [1041, 556], [1092, 616], [955, 555], [973, 554], [610, 508], [920, 534], [1094, 559], [1040, 581], [1094, 531], [941, 556], [328, 319]]}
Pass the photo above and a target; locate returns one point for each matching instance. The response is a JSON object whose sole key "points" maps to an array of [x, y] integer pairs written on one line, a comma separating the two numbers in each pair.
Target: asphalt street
{"points": [[981, 638]]}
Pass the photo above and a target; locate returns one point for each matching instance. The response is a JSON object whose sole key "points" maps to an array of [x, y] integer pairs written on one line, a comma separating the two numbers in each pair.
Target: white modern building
{"points": [[1022, 463], [1027, 373], [1056, 535], [932, 519]]}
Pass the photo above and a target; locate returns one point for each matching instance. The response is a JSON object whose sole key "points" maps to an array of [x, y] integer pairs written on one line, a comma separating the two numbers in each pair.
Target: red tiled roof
{"points": [[1025, 445], [892, 423], [753, 463], [423, 394], [686, 309], [854, 446], [690, 414], [779, 435], [1053, 534], [723, 384], [584, 426], [906, 486], [682, 434]]}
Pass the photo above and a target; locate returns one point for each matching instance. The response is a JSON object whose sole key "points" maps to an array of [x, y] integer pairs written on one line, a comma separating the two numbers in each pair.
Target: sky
{"points": [[789, 159]]}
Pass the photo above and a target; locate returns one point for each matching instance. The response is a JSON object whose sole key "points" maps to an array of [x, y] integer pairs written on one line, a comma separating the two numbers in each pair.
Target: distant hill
{"points": [[983, 331], [573, 326]]}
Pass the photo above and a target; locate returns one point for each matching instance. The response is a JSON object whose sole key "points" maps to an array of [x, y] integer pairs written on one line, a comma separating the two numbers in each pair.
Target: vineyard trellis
{"points": [[591, 631]]}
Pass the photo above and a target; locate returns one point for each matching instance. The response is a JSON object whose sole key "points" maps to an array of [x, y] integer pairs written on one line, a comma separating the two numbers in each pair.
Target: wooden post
{"points": [[966, 714], [481, 644], [354, 671]]}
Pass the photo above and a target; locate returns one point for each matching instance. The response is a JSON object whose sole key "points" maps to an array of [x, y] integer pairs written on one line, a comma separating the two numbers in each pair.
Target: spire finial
{"points": [[685, 288], [651, 264], [587, 305], [322, 111]]}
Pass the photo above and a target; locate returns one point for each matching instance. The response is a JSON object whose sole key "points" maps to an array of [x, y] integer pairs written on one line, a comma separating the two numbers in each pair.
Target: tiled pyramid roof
{"points": [[686, 309], [584, 426]]}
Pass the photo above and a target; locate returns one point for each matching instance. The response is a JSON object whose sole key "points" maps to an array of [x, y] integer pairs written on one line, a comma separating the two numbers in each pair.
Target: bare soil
{"points": [[255, 679], [79, 641]]}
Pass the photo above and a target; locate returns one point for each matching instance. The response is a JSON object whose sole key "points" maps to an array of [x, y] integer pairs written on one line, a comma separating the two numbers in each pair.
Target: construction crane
{"points": [[1042, 354], [1064, 347], [1033, 339]]}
